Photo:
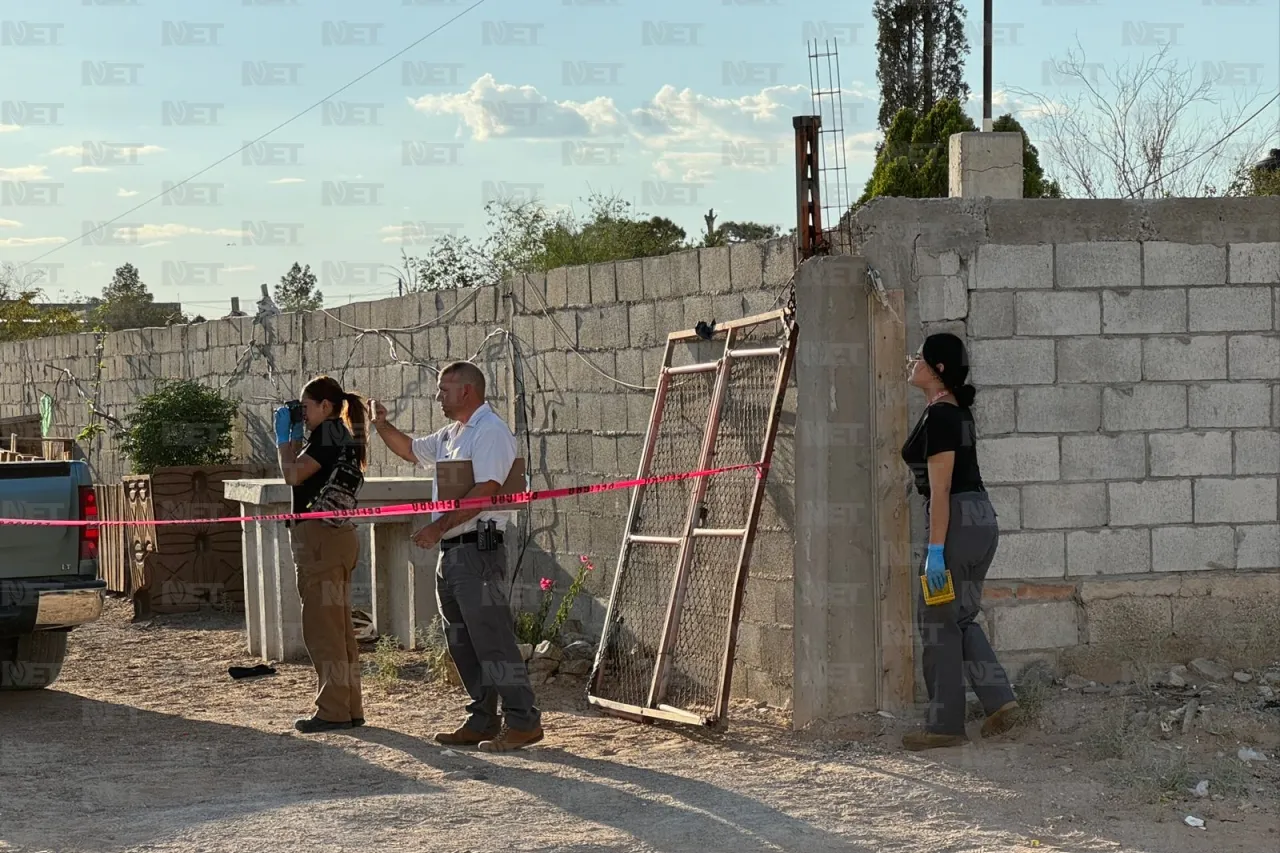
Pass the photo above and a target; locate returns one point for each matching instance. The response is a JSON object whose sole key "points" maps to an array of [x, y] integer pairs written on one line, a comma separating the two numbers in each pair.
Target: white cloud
{"points": [[1023, 109], [82, 169], [124, 193], [169, 231], [491, 109], [288, 181], [10, 223], [24, 173], [10, 128], [120, 150], [154, 244], [249, 268], [31, 241]]}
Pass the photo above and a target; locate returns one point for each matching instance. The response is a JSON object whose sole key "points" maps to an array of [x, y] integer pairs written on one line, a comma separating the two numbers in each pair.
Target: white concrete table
{"points": [[402, 601]]}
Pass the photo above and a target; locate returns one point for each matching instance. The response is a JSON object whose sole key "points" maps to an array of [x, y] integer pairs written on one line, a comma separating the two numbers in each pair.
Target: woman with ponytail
{"points": [[963, 536], [326, 472]]}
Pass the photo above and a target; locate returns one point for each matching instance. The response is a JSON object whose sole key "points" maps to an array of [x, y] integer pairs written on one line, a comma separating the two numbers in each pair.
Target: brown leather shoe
{"points": [[463, 736], [921, 740], [511, 739], [1001, 721]]}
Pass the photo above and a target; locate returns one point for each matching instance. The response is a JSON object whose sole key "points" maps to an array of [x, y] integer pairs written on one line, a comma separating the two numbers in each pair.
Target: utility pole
{"points": [[986, 66]]}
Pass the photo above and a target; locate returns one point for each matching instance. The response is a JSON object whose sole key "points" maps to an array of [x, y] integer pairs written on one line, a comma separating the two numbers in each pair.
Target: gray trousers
{"points": [[480, 629], [955, 649]]}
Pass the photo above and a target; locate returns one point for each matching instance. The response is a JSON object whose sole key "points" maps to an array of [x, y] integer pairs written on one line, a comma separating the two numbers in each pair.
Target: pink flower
{"points": [[584, 558], [546, 584]]}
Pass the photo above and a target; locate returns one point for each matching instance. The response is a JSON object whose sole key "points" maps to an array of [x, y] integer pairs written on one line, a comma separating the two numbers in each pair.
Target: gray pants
{"points": [[480, 630], [955, 648]]}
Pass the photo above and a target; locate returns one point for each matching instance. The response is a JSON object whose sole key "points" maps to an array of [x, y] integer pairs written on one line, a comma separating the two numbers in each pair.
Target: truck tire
{"points": [[32, 661]]}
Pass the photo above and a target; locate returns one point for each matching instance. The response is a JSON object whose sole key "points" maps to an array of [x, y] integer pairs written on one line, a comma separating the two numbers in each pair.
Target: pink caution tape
{"points": [[417, 508]]}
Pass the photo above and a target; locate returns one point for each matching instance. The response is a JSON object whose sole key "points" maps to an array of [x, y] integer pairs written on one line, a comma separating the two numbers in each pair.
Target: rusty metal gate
{"points": [[671, 628]]}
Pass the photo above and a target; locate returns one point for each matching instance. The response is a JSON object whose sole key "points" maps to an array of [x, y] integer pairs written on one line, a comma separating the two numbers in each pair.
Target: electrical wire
{"points": [[1212, 147], [263, 136]]}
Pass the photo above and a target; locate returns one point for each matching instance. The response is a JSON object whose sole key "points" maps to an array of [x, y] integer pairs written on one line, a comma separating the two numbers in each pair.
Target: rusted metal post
{"points": [[808, 204]]}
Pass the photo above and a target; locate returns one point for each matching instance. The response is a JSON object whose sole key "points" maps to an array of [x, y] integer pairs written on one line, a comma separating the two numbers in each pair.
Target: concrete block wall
{"points": [[580, 337], [1127, 356]]}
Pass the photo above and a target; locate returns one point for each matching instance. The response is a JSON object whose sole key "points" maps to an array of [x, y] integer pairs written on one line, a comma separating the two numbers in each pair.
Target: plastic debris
{"points": [[1202, 789], [1192, 820]]}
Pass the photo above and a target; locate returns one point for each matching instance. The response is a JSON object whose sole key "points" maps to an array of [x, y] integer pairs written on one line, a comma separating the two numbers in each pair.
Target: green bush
{"points": [[181, 422]]}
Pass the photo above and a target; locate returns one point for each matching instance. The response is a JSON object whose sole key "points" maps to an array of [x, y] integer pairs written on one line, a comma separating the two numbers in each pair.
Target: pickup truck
{"points": [[48, 575]]}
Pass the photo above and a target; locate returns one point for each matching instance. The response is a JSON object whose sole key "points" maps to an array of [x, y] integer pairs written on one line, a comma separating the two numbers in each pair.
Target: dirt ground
{"points": [[146, 744]]}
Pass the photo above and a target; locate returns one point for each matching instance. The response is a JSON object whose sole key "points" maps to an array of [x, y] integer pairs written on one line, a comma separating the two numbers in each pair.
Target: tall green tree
{"points": [[922, 47], [22, 316], [914, 159], [297, 290], [126, 303]]}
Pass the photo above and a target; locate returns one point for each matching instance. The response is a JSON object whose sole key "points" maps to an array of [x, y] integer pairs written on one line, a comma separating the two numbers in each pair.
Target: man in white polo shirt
{"points": [[478, 622]]}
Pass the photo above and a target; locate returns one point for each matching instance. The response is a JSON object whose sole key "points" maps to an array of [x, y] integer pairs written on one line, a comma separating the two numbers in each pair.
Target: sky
{"points": [[677, 107]]}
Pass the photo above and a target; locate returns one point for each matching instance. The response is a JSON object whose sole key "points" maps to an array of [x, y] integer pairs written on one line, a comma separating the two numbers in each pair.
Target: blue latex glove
{"points": [[935, 569], [286, 431]]}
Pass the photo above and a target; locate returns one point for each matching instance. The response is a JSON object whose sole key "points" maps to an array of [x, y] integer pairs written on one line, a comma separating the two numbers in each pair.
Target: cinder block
{"points": [[1258, 546], [557, 287], [1230, 309], [991, 315], [642, 322], [684, 272], [1150, 502], [943, 298], [1043, 625], [713, 265], [1236, 405], [1257, 452], [1183, 264], [1255, 357], [929, 263], [1054, 507], [630, 367], [1255, 263], [1099, 360], [1184, 358], [1007, 501], [1030, 555], [1103, 457], [1143, 312], [746, 266], [604, 284], [1013, 267], [669, 317], [1012, 362], [1058, 314], [779, 261], [630, 280], [1108, 552], [1236, 501], [1190, 454], [579, 285], [656, 275], [993, 411], [1018, 460], [1115, 266], [1192, 549], [1059, 408], [1143, 407]]}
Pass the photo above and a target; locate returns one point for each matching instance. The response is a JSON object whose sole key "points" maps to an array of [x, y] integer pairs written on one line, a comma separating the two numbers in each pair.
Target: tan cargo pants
{"points": [[324, 557]]}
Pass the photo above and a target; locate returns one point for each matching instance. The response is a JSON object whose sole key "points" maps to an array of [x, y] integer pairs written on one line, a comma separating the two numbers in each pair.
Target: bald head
{"points": [[466, 373]]}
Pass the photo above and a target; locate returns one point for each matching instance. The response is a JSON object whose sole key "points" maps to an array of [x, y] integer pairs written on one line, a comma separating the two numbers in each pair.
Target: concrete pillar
{"points": [[836, 670], [985, 165]]}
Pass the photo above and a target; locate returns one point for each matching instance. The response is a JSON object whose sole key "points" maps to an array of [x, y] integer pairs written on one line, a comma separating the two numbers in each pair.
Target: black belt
{"points": [[468, 539]]}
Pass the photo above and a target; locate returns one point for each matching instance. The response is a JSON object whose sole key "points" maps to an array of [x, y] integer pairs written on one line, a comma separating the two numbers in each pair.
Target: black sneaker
{"points": [[312, 725], [357, 721]]}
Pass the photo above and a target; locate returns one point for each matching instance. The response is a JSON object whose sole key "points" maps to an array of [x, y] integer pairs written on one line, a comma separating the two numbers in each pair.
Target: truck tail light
{"points": [[88, 532]]}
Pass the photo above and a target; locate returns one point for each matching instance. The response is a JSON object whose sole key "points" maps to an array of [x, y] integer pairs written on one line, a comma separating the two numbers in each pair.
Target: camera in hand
{"points": [[295, 411]]}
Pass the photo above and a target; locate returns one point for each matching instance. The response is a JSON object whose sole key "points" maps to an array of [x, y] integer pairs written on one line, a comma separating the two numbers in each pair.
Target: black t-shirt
{"points": [[944, 427], [327, 444]]}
